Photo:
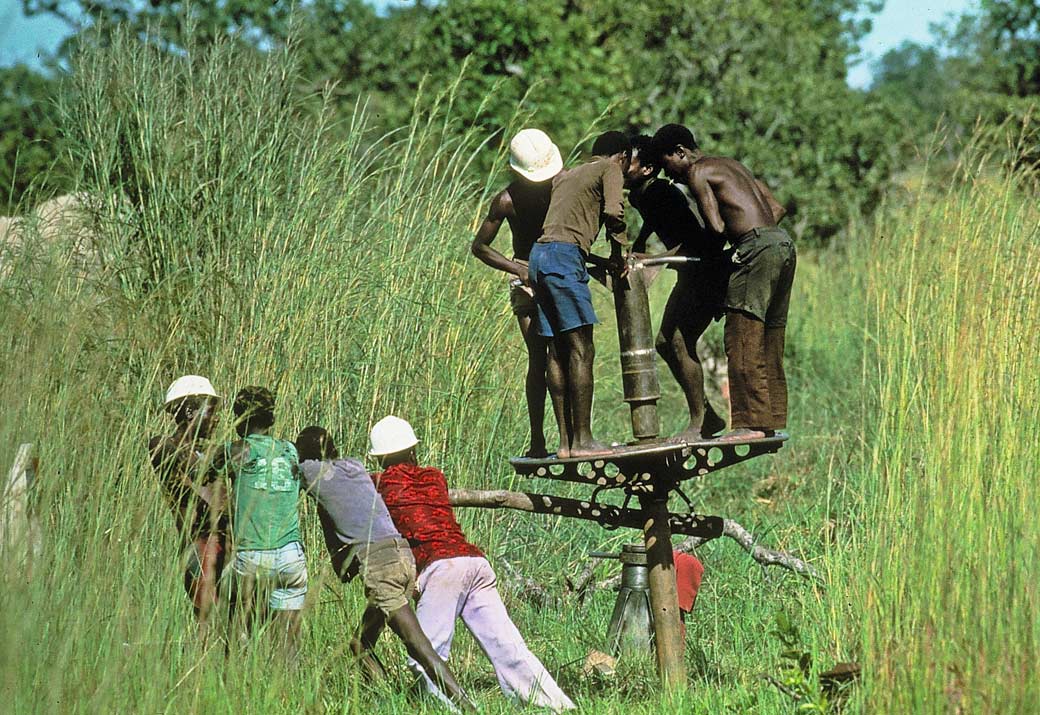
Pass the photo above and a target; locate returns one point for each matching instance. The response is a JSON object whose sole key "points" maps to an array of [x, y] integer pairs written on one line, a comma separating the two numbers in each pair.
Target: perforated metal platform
{"points": [[632, 465]]}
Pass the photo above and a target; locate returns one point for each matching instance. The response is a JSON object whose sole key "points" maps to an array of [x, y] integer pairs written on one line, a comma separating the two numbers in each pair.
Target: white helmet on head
{"points": [[391, 435], [187, 386], [533, 155]]}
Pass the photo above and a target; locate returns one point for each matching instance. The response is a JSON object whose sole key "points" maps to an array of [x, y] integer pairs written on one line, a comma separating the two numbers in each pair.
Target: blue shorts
{"points": [[561, 288]]}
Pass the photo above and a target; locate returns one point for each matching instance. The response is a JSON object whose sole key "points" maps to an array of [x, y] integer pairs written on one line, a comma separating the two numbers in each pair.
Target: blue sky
{"points": [[23, 39], [899, 21]]}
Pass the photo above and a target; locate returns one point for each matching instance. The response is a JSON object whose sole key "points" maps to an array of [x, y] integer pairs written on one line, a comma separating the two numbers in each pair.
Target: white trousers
{"points": [[464, 587]]}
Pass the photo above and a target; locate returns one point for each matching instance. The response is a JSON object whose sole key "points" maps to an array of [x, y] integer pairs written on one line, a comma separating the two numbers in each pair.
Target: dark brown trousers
{"points": [[757, 385]]}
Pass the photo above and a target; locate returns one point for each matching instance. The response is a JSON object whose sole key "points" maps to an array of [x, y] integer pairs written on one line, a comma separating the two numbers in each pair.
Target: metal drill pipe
{"points": [[667, 261], [638, 356]]}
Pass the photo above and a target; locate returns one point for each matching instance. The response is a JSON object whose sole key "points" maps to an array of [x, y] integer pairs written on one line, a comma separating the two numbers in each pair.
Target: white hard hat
{"points": [[533, 155], [189, 385], [391, 435]]}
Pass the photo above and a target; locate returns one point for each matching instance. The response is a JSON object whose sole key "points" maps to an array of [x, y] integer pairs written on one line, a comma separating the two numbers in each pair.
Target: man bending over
{"points": [[700, 288], [736, 205], [455, 580], [361, 538]]}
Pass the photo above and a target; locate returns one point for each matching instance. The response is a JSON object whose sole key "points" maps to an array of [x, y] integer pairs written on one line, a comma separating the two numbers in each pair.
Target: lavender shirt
{"points": [[351, 511]]}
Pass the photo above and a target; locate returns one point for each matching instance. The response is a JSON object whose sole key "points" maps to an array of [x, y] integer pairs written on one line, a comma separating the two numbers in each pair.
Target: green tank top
{"points": [[266, 490]]}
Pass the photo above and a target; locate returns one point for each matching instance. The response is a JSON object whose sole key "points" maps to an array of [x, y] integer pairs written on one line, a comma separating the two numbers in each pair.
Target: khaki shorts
{"points": [[388, 572], [764, 263], [521, 299]]}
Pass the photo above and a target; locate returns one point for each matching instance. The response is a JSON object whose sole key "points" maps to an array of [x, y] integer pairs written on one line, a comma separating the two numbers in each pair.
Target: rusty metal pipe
{"points": [[664, 598], [638, 356]]}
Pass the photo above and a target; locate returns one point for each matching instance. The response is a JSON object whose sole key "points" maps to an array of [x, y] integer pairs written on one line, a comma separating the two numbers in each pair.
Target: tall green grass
{"points": [[246, 232], [951, 541], [238, 234]]}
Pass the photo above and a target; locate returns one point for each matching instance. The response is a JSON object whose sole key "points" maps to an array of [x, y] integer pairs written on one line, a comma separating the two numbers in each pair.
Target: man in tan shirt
{"points": [[583, 199]]}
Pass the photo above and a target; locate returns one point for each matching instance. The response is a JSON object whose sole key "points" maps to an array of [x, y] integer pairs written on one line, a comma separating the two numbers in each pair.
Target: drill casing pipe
{"points": [[638, 355]]}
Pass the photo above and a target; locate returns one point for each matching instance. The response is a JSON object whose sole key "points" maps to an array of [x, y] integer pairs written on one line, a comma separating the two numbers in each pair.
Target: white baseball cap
{"points": [[189, 385], [391, 435], [533, 155]]}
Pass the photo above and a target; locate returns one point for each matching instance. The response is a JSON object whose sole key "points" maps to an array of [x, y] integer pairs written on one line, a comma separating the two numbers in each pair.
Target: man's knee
{"points": [[537, 356], [579, 343], [665, 346]]}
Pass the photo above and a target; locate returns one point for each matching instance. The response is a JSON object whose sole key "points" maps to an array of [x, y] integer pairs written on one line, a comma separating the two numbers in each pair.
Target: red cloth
{"points": [[688, 573], [417, 498]]}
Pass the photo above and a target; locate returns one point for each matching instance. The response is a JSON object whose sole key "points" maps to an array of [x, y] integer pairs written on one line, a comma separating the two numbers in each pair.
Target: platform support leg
{"points": [[664, 599]]}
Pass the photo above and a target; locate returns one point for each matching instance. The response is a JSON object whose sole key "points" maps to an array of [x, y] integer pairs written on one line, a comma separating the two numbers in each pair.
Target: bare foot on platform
{"points": [[563, 452], [536, 452], [690, 434], [713, 424], [743, 434], [591, 448]]}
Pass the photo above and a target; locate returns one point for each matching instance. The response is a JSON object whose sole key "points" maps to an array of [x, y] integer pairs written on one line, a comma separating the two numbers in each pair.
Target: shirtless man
{"points": [[738, 206], [182, 465], [535, 160], [700, 288]]}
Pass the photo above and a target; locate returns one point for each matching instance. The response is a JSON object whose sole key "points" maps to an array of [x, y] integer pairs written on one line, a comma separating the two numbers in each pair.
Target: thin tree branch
{"points": [[615, 516]]}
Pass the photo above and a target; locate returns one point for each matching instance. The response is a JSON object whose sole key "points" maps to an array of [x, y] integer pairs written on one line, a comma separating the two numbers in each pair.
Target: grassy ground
{"points": [[274, 247]]}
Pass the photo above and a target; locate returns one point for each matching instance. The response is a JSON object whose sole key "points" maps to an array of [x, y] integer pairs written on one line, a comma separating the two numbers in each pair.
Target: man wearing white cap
{"points": [[535, 160], [181, 462], [455, 580]]}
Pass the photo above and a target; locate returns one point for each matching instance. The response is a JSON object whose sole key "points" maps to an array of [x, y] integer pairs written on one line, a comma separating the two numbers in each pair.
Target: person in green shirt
{"points": [[268, 570]]}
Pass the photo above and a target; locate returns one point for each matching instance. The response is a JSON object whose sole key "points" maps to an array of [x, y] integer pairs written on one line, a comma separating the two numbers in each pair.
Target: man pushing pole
{"points": [[455, 579], [362, 540]]}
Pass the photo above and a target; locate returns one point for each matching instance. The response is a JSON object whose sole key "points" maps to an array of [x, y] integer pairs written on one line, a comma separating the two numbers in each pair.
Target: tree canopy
{"points": [[985, 67], [758, 80], [28, 136]]}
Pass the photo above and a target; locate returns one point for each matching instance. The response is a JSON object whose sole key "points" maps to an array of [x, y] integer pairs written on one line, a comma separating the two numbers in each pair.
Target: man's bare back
{"points": [[732, 200], [528, 203]]}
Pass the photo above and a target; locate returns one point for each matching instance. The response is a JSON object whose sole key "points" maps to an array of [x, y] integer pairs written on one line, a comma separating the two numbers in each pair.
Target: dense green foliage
{"points": [[985, 70], [759, 80], [29, 140]]}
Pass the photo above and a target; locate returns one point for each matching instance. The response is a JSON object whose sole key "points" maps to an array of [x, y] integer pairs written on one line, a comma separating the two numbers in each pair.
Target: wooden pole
{"points": [[703, 527], [16, 537], [664, 598]]}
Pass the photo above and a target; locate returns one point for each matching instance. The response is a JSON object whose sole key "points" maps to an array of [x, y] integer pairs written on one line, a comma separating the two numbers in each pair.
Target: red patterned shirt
{"points": [[417, 498]]}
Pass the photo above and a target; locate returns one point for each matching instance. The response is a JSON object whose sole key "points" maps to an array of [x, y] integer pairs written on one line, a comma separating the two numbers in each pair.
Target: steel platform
{"points": [[632, 465]]}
